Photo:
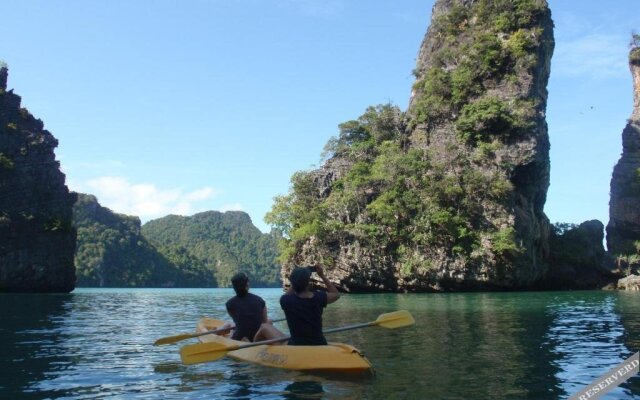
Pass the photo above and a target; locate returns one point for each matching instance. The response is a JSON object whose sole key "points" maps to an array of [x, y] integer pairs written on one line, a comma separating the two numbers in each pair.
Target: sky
{"points": [[177, 107]]}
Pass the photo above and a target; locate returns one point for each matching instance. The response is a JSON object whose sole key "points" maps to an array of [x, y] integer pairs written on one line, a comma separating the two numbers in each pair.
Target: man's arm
{"points": [[332, 292]]}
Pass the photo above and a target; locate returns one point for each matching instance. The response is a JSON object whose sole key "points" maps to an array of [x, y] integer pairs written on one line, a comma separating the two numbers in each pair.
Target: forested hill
{"points": [[111, 252], [223, 243], [205, 250]]}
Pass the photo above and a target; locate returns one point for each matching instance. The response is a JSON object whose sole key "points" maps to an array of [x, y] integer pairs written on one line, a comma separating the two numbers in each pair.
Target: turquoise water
{"points": [[97, 343]]}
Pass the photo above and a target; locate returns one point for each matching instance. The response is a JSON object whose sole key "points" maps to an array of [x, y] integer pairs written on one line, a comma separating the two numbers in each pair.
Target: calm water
{"points": [[98, 344]]}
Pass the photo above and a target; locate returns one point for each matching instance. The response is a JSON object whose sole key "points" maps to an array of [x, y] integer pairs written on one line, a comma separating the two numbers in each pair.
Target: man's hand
{"points": [[332, 292]]}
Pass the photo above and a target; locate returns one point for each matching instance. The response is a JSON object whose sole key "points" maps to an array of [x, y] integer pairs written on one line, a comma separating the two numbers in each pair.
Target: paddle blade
{"points": [[173, 339], [204, 352], [396, 319]]}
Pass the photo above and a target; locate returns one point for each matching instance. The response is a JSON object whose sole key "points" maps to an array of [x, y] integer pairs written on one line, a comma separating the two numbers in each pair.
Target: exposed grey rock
{"points": [[523, 160], [623, 230], [631, 282], [578, 259]]}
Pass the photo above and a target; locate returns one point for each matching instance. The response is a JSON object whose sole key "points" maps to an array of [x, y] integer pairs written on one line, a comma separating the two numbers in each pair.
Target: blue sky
{"points": [[171, 106]]}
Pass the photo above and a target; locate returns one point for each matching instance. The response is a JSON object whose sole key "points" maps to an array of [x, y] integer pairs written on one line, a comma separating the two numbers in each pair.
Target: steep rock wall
{"points": [[494, 121], [623, 230], [37, 240], [578, 258]]}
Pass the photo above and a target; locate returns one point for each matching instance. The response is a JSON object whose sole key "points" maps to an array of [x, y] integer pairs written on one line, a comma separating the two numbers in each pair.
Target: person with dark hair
{"points": [[249, 313], [303, 307]]}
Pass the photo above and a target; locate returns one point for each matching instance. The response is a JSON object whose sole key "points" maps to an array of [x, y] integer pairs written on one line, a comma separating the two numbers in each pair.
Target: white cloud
{"points": [[201, 194], [595, 56], [145, 200]]}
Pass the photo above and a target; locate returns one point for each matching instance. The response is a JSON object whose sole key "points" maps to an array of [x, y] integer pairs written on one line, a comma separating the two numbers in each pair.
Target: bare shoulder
{"points": [[332, 297]]}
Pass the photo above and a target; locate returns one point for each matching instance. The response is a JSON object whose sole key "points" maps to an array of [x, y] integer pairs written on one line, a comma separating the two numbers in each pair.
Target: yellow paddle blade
{"points": [[204, 352], [396, 319], [173, 339]]}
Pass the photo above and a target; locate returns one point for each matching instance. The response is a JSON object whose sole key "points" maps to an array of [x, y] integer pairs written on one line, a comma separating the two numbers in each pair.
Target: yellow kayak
{"points": [[334, 357]]}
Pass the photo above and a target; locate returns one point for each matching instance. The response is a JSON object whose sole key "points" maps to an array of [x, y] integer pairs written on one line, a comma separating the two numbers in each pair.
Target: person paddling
{"points": [[249, 313], [303, 307]]}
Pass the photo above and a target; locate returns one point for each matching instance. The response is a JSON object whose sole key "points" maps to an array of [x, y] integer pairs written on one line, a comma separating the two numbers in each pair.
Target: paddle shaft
{"points": [[349, 327], [281, 339]]}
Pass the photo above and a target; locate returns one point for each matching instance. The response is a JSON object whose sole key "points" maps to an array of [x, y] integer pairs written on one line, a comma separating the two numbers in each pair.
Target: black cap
{"points": [[299, 278]]}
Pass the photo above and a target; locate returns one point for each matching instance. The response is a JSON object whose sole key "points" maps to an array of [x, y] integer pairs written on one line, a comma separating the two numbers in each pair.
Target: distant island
{"points": [[204, 250]]}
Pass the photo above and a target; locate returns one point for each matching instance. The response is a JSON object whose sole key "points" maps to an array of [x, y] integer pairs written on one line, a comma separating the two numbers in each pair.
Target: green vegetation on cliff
{"points": [[490, 42], [392, 198], [634, 54], [221, 243]]}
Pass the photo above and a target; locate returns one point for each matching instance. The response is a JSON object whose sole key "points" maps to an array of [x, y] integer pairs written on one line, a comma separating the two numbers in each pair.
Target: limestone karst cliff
{"points": [[578, 259], [623, 230], [448, 195], [493, 126], [37, 240]]}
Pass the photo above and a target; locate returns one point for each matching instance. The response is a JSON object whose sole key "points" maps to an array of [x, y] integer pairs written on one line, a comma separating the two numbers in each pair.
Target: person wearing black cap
{"points": [[303, 307], [249, 313]]}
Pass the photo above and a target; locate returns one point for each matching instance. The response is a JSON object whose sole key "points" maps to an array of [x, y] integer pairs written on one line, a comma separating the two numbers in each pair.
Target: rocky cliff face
{"points": [[450, 194], [37, 240], [623, 230], [496, 60], [578, 258]]}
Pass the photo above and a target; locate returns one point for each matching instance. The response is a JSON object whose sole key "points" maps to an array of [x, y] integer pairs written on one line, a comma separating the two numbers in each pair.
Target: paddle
{"points": [[183, 336], [205, 352]]}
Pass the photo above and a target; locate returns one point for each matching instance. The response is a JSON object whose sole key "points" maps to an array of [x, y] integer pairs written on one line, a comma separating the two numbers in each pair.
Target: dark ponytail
{"points": [[239, 282]]}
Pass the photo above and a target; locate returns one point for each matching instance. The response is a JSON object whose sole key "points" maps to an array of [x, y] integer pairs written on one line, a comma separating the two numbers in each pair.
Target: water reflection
{"points": [[471, 345], [304, 390], [587, 335], [29, 337], [628, 308]]}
